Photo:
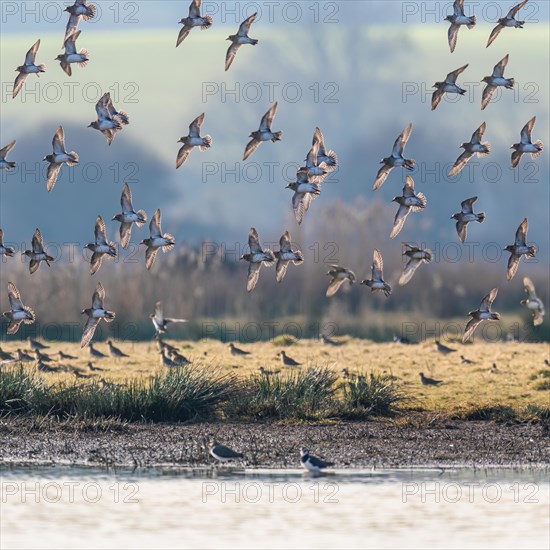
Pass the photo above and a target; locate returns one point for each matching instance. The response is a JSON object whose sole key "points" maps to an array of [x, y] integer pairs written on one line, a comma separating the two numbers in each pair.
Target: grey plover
{"points": [[107, 122], [285, 255], [5, 250], [396, 158], [533, 302], [448, 86], [157, 240], [237, 40], [79, 10], [160, 322], [36, 345], [428, 381], [323, 156], [192, 140], [313, 167], [6, 356], [237, 351], [526, 145], [223, 453], [263, 133], [407, 202], [471, 148], [508, 21], [457, 19], [101, 246], [28, 68], [194, 19], [90, 366], [19, 313], [66, 356], [377, 282], [115, 352], [339, 275], [128, 216], [465, 361], [519, 249], [416, 257], [6, 164], [495, 80], [37, 254], [255, 258], [265, 372], [287, 361], [95, 353], [59, 157], [305, 190], [312, 463], [443, 349], [95, 314], [465, 216], [484, 312], [327, 341], [71, 55]]}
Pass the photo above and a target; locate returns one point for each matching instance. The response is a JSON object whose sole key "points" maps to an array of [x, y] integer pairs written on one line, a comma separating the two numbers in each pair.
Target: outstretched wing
{"points": [[382, 176], [245, 25], [251, 146], [5, 150], [452, 76], [498, 70], [527, 130], [88, 332], [183, 154], [254, 241], [467, 205], [487, 302], [452, 36], [195, 126], [470, 327], [399, 220], [37, 242], [410, 268], [377, 265], [487, 95], [98, 297], [513, 264], [154, 225], [267, 119], [100, 231], [18, 84], [14, 298], [126, 199], [460, 162], [253, 275], [230, 55], [31, 54], [401, 141], [494, 33], [333, 286], [529, 288], [521, 233]]}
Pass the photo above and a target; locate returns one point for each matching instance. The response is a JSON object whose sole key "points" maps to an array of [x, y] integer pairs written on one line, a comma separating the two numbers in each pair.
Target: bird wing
{"points": [[183, 34], [245, 25], [470, 327], [460, 162], [513, 12], [526, 130], [88, 332], [58, 142], [467, 205], [452, 36], [15, 298], [521, 233], [513, 264], [125, 233], [452, 76], [154, 225], [70, 42], [401, 141], [100, 231], [399, 220], [487, 95], [458, 7], [408, 190], [333, 286], [5, 150], [183, 154], [267, 119], [52, 175], [37, 242], [280, 269], [516, 157], [498, 70], [477, 136], [31, 54], [72, 25], [253, 275], [98, 297], [461, 228], [529, 288], [285, 242], [150, 255], [319, 138], [195, 9], [230, 55], [18, 84], [377, 265], [412, 265], [494, 33], [488, 300], [382, 176], [254, 241], [299, 205], [251, 146], [195, 126], [159, 312], [126, 199], [95, 262]]}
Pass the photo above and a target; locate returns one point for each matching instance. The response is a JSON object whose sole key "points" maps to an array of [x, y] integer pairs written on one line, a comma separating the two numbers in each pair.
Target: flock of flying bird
{"points": [[319, 163]]}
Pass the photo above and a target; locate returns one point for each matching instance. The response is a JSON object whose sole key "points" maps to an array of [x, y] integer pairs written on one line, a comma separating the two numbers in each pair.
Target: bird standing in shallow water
{"points": [[223, 453], [312, 463]]}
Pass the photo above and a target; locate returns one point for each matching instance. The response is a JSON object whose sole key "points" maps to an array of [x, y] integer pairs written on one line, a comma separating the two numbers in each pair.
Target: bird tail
{"points": [[409, 164], [487, 146], [49, 259], [74, 159], [519, 24], [540, 147], [473, 18], [11, 165], [30, 311], [253, 41], [42, 67], [142, 218], [93, 9], [481, 217], [532, 251], [168, 247], [85, 53], [10, 252], [277, 136], [114, 252], [207, 141], [207, 22], [332, 160], [110, 316], [423, 200], [510, 83], [123, 117]]}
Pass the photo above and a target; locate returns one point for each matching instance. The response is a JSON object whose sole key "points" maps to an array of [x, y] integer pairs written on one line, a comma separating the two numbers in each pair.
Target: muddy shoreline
{"points": [[379, 444]]}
